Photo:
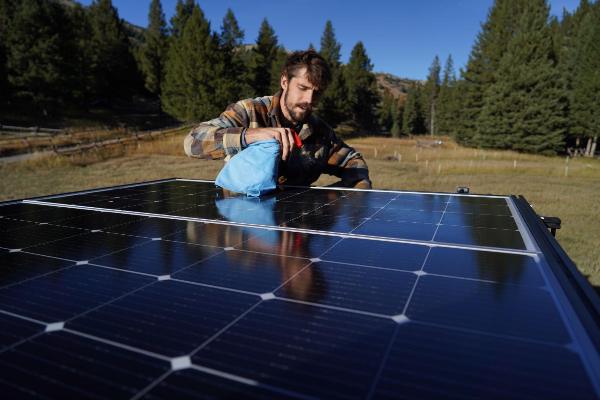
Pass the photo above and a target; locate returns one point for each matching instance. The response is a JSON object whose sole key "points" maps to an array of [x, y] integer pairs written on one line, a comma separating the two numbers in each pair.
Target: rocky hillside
{"points": [[398, 87]]}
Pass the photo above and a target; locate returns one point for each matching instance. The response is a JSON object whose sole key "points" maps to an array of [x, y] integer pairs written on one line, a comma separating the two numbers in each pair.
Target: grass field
{"points": [[555, 186]]}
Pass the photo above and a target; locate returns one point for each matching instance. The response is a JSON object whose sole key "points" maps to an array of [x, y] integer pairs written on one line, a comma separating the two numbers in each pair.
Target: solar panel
{"points": [[177, 289]]}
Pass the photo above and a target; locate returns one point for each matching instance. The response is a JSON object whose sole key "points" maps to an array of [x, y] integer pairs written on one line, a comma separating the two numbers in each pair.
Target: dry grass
{"points": [[394, 164]]}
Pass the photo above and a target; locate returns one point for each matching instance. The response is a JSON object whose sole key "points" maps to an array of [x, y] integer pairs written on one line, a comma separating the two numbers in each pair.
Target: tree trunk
{"points": [[588, 148], [593, 149]]}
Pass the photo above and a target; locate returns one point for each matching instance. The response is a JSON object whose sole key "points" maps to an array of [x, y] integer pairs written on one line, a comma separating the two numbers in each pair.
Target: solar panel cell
{"points": [[378, 291], [408, 257], [469, 235], [66, 293], [20, 266], [87, 246], [502, 309], [61, 365], [249, 271], [485, 265], [157, 257], [169, 318]]}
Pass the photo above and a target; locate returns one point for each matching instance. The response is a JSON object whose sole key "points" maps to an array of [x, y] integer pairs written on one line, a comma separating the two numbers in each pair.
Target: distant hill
{"points": [[398, 87]]}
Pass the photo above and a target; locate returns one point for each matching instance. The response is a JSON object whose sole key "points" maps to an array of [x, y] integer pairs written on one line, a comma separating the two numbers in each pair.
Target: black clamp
{"points": [[462, 190], [552, 223]]}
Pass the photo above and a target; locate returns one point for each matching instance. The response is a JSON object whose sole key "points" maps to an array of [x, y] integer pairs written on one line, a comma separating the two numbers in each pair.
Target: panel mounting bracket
{"points": [[552, 223]]}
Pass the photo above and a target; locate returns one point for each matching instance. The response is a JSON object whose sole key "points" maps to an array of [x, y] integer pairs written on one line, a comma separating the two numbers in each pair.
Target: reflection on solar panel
{"points": [[174, 289]]}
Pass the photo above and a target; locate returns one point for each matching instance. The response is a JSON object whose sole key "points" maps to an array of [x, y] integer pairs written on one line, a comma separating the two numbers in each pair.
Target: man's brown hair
{"points": [[317, 70]]}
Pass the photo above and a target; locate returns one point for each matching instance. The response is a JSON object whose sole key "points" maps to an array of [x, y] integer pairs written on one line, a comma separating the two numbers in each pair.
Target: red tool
{"points": [[297, 140]]}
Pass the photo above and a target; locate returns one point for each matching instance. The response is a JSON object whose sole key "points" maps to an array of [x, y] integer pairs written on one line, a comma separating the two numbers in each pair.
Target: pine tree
{"points": [[566, 47], [333, 105], [183, 11], [330, 47], [397, 114], [114, 69], [6, 12], [390, 115], [154, 50], [231, 78], [524, 108], [386, 110], [81, 80], [484, 60], [431, 91], [37, 55], [263, 56], [189, 88], [447, 107], [362, 89], [276, 69], [585, 99], [413, 119]]}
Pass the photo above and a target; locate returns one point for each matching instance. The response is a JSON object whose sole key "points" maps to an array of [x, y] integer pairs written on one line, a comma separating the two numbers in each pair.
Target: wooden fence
{"points": [[36, 139]]}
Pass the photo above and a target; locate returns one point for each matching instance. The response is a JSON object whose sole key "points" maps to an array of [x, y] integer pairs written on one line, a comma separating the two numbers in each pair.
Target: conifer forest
{"points": [[531, 83]]}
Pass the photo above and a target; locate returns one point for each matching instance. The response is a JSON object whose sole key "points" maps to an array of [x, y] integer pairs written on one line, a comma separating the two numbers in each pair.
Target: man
{"points": [[304, 77]]}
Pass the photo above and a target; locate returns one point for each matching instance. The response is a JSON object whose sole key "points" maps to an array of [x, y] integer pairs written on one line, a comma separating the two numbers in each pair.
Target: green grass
{"points": [[394, 164]]}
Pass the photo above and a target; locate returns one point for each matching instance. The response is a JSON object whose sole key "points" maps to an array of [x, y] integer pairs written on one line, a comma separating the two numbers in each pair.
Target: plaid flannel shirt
{"points": [[322, 150]]}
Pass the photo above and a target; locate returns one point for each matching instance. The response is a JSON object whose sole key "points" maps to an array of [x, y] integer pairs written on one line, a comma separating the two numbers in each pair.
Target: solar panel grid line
{"points": [[290, 229], [491, 196], [224, 329], [437, 227], [410, 296], [152, 385], [250, 382], [207, 285], [117, 344], [375, 382], [22, 318], [35, 237], [336, 308]]}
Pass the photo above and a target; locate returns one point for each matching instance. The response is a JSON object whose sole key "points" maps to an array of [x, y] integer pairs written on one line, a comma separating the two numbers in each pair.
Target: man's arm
{"points": [[218, 137], [223, 136], [347, 164]]}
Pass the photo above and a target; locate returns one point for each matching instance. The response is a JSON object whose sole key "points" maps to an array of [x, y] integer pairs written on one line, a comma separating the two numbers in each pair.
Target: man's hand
{"points": [[282, 135]]}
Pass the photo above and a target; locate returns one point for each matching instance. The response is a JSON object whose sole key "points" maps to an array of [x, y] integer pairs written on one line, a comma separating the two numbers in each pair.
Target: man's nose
{"points": [[308, 97]]}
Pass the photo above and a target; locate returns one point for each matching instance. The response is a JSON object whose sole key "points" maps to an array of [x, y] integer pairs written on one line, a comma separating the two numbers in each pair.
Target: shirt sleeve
{"points": [[219, 137], [348, 165]]}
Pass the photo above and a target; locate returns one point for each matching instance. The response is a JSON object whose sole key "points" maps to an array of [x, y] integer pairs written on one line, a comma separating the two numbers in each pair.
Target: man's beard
{"points": [[298, 112]]}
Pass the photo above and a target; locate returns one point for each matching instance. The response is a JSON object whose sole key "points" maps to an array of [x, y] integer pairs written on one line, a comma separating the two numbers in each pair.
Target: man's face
{"points": [[299, 96]]}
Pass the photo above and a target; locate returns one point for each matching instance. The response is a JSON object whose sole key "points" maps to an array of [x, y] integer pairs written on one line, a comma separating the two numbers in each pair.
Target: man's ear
{"points": [[283, 81]]}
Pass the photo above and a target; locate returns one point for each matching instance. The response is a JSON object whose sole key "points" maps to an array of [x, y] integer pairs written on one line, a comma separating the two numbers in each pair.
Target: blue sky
{"points": [[401, 37]]}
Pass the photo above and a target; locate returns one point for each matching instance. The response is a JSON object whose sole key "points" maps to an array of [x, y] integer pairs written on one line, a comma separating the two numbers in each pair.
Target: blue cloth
{"points": [[252, 171], [252, 211]]}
